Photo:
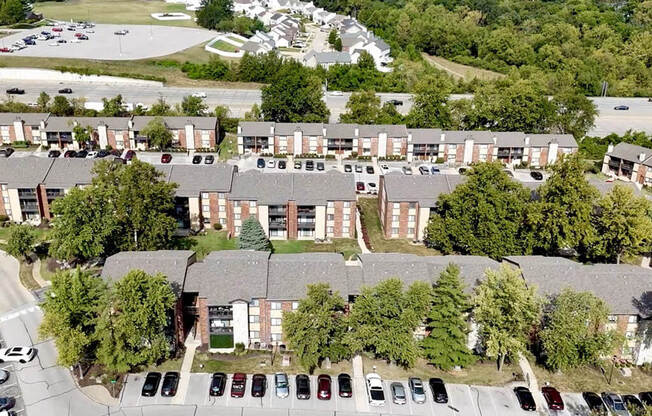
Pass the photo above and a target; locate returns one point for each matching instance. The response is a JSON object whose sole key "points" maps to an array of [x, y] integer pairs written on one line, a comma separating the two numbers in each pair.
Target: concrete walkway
{"points": [[532, 383], [186, 366], [359, 387], [99, 394], [12, 294], [358, 233], [36, 274]]}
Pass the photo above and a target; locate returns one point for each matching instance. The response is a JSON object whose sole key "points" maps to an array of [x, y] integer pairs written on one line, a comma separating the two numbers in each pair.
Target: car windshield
{"points": [[377, 394], [238, 386], [418, 389], [619, 405]]}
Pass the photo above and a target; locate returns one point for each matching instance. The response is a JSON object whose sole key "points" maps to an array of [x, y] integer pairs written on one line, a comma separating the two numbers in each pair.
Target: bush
{"points": [[440, 160], [217, 226], [4, 218], [239, 348], [280, 155]]}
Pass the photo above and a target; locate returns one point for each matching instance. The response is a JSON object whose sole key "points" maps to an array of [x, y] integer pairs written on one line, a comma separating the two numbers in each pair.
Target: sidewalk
{"points": [[358, 233], [359, 387], [186, 366], [36, 274]]}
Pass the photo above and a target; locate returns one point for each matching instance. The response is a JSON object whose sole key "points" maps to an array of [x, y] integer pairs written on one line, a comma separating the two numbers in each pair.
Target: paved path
{"points": [[186, 367], [359, 388], [36, 274], [359, 236], [12, 292]]}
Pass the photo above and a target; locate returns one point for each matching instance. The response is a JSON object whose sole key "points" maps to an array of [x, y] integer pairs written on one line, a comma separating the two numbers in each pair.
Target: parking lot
{"points": [[141, 41]]}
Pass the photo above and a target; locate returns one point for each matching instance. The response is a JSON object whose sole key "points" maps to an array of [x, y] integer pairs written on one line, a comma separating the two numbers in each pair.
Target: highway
{"points": [[638, 117]]}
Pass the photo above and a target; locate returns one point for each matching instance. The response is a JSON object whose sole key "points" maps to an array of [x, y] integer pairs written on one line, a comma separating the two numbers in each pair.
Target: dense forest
{"points": [[565, 43]]}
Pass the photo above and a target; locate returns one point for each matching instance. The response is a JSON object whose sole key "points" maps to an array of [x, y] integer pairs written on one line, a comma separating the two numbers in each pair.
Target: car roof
{"points": [[239, 376]]}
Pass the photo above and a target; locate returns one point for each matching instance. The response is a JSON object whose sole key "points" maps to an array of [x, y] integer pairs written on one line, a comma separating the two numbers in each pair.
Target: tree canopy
{"points": [[214, 12], [253, 237], [157, 133], [21, 240]]}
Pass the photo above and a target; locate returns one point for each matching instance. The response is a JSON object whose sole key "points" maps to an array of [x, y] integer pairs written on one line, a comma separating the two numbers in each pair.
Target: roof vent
{"points": [[641, 156]]}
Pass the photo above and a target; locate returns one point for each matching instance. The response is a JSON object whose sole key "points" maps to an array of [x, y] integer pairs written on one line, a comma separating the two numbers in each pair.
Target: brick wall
{"points": [[179, 330], [353, 213], [29, 135], [182, 138], [621, 328], [110, 138], [214, 207], [43, 205], [290, 144], [459, 155], [305, 144], [229, 218], [265, 333], [543, 159], [403, 220], [374, 146], [3, 210], [321, 142], [490, 153], [244, 210], [642, 171], [292, 220], [202, 325], [338, 218], [475, 156]]}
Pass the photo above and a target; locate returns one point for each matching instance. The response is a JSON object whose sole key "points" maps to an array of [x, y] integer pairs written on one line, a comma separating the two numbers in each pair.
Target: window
{"points": [[276, 337], [276, 306], [237, 229], [411, 230], [220, 195], [452, 152], [205, 139], [204, 195], [236, 216], [295, 306], [483, 152], [255, 303], [254, 319], [411, 218], [252, 204], [254, 334], [330, 204], [345, 230], [206, 209], [412, 205], [632, 319], [347, 217], [331, 217], [395, 218], [330, 230], [611, 318], [276, 321], [313, 145], [396, 205], [347, 204], [394, 230], [4, 186], [223, 221]]}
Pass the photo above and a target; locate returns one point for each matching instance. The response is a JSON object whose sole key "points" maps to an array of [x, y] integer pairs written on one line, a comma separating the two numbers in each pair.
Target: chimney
{"points": [[641, 157], [527, 140], [271, 129], [442, 138], [610, 148]]}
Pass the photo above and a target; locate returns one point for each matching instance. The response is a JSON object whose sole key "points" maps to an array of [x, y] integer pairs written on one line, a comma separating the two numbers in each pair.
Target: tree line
{"points": [[493, 215], [566, 330]]}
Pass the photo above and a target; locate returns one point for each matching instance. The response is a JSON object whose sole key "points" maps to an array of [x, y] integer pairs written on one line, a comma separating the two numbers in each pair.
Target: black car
{"points": [[395, 102], [150, 387], [310, 165], [15, 91], [6, 152], [260, 163], [218, 383], [633, 403], [438, 388], [525, 399], [621, 107], [462, 171], [102, 153], [196, 160], [129, 154], [646, 398], [344, 385], [65, 91], [54, 153], [303, 387], [370, 170], [81, 154], [297, 165], [536, 175], [595, 403], [70, 153], [347, 168], [7, 403], [170, 383], [258, 385], [281, 164], [116, 152], [209, 159], [320, 165]]}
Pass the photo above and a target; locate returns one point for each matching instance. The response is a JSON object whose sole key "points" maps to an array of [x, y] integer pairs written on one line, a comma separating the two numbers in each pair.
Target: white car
{"points": [[199, 94], [89, 31], [53, 44], [336, 93], [75, 40], [91, 155], [42, 37], [375, 391], [20, 354]]}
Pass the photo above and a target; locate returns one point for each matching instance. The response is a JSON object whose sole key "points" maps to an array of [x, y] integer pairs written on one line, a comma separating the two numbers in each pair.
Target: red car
{"points": [[359, 186], [78, 35], [553, 398], [130, 155], [57, 29], [238, 385], [324, 387], [166, 158], [7, 50]]}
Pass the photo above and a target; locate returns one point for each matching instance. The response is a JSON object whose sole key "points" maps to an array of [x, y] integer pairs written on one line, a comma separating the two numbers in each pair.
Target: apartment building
{"points": [[63, 175], [537, 150], [21, 180], [405, 202], [629, 162], [187, 132], [239, 296], [294, 205], [21, 127]]}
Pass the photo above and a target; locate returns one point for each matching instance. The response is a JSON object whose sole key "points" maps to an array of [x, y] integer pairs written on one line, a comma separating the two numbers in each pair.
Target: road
{"points": [[12, 294]]}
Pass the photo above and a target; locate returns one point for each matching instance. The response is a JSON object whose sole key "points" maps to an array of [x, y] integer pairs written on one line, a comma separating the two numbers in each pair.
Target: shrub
{"points": [[239, 348], [4, 218], [217, 226], [440, 160]]}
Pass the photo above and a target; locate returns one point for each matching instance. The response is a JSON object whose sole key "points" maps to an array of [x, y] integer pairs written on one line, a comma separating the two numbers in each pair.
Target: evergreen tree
{"points": [[253, 237], [445, 346]]}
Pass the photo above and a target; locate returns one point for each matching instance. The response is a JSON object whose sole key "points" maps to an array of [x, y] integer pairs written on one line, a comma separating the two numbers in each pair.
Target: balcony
{"points": [[220, 312], [277, 224], [226, 330], [276, 212], [306, 220], [28, 207]]}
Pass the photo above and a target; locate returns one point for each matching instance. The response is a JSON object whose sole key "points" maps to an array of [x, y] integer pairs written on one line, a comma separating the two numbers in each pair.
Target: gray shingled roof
{"points": [[256, 128], [30, 119], [417, 188], [250, 46], [606, 186], [178, 122], [340, 131], [193, 179], [24, 172], [425, 136], [510, 138], [333, 58], [171, 263], [58, 124], [625, 288], [289, 274], [70, 172], [631, 152], [543, 140], [392, 130], [308, 129], [227, 276], [478, 136]]}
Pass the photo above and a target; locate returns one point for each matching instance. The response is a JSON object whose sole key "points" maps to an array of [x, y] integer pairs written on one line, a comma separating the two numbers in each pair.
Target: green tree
{"points": [[575, 113], [445, 346], [294, 95], [566, 201], [332, 37], [483, 216], [623, 225], [82, 134], [12, 11], [21, 240], [214, 12], [114, 107], [253, 237], [506, 311], [133, 328], [254, 115], [362, 107], [71, 309], [574, 333], [193, 106], [316, 329], [160, 108], [338, 44], [384, 318], [43, 101], [430, 108], [61, 106], [157, 133]]}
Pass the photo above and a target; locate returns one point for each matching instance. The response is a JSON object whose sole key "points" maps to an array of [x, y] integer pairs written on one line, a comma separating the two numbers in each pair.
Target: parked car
{"points": [[200, 94], [209, 159], [20, 354], [370, 170], [371, 188], [646, 398], [238, 385], [129, 154], [170, 383], [434, 170], [57, 29], [121, 32], [271, 163], [65, 91], [5, 50], [83, 37], [347, 168], [303, 387], [553, 398], [102, 153], [406, 170], [7, 403], [536, 175], [15, 90], [398, 393], [70, 153], [4, 376], [297, 165], [260, 163], [336, 93], [324, 387], [525, 399], [595, 403], [375, 392], [282, 164], [116, 152], [439, 393], [424, 170], [395, 102], [166, 158], [310, 165], [196, 160], [384, 167], [6, 152], [281, 385], [320, 165], [416, 389], [218, 384], [81, 154], [258, 385], [344, 386], [358, 168], [509, 173], [359, 186], [614, 403], [633, 403], [91, 155], [62, 41], [150, 386], [621, 107]]}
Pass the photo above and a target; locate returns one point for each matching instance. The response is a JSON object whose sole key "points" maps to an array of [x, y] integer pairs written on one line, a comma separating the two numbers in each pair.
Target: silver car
{"points": [[615, 404], [281, 385], [398, 393], [416, 388]]}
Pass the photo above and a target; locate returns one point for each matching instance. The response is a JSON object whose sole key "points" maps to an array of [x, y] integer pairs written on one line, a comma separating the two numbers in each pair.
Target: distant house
{"points": [[325, 59], [629, 162]]}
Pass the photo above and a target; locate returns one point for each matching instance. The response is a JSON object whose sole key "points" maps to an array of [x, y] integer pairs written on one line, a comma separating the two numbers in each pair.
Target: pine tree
{"points": [[253, 237], [445, 347]]}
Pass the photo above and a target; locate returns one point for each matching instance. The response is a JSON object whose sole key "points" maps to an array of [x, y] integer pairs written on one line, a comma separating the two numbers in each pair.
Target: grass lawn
{"points": [[132, 12], [209, 241], [228, 148], [591, 379], [224, 46], [481, 373], [41, 233], [347, 246], [380, 244], [459, 71], [173, 364], [3, 34]]}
